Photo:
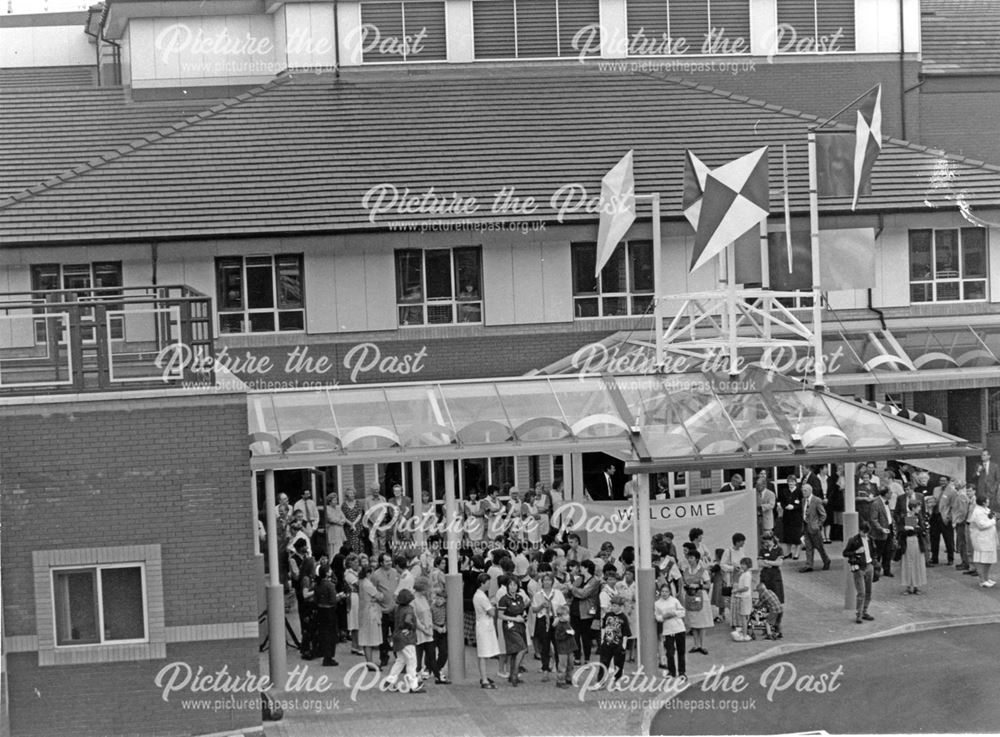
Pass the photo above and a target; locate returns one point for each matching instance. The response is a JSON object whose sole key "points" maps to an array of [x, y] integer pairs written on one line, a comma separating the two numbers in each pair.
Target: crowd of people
{"points": [[529, 586]]}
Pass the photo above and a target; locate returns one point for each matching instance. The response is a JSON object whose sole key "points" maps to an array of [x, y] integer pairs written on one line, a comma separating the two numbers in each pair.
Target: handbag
{"points": [[693, 601], [727, 590], [877, 571]]}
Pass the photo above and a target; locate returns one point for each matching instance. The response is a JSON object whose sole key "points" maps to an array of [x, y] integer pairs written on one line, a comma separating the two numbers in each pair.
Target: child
{"points": [[768, 600], [615, 631], [743, 600], [404, 642], [670, 614], [565, 646], [439, 617]]}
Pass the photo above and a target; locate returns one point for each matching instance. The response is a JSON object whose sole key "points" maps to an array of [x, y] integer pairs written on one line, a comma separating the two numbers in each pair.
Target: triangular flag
{"points": [[868, 139], [736, 199], [617, 209], [695, 175]]}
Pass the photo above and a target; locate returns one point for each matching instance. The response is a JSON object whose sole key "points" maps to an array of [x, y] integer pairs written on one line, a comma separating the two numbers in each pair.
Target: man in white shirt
{"points": [[310, 513]]}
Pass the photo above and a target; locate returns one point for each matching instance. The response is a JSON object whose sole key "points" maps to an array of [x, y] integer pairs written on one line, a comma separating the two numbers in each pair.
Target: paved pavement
{"points": [[937, 681], [814, 616]]}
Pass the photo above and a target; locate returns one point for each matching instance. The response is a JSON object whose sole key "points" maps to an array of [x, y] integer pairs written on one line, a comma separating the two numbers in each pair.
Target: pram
{"points": [[757, 624]]}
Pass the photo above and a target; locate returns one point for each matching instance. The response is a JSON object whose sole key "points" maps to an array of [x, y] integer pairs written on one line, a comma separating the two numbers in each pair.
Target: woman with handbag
{"points": [[698, 611]]}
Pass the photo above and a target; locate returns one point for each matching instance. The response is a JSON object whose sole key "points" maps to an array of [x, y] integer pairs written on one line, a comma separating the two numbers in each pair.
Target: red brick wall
{"points": [[171, 471], [962, 123]]}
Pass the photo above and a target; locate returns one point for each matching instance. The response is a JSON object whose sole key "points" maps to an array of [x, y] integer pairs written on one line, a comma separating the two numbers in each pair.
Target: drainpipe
{"points": [[871, 305], [336, 42], [97, 45], [902, 70]]}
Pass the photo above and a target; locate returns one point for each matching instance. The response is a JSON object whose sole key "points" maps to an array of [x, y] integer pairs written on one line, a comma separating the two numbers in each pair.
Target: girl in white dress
{"points": [[475, 526], [487, 645], [543, 502], [532, 519]]}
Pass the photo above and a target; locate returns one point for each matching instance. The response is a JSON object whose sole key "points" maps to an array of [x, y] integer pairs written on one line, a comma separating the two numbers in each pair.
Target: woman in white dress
{"points": [[335, 521], [492, 511], [983, 531], [543, 501], [487, 645], [351, 567], [475, 525]]}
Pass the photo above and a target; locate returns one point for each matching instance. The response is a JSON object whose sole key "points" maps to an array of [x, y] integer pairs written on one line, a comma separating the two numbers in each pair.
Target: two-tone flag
{"points": [[695, 176], [735, 199], [867, 139], [617, 209], [844, 163]]}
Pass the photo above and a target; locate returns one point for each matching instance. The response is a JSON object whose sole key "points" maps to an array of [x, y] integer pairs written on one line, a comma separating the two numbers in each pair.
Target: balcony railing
{"points": [[104, 339]]}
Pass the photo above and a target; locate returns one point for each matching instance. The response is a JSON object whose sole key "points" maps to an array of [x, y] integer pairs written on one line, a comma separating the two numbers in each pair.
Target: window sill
{"points": [[105, 653]]}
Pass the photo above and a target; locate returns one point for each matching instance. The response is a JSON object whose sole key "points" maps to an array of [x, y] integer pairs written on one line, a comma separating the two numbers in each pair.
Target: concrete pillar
{"points": [[453, 579], [418, 500], [645, 579], [577, 488], [850, 529], [276, 657]]}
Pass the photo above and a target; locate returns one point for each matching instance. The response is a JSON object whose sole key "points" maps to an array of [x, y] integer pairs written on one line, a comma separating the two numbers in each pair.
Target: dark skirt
{"points": [[791, 529], [326, 631], [514, 637], [771, 577]]}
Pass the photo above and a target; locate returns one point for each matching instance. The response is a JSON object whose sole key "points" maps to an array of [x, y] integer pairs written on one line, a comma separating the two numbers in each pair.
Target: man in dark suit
{"points": [[988, 480], [880, 522], [604, 486], [735, 483], [860, 556], [813, 517]]}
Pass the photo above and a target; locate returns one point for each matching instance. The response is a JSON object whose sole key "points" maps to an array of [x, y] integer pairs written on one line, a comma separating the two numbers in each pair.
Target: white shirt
{"points": [[308, 507]]}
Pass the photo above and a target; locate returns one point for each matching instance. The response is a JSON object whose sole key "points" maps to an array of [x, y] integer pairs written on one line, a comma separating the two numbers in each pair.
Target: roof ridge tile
{"points": [[142, 142]]}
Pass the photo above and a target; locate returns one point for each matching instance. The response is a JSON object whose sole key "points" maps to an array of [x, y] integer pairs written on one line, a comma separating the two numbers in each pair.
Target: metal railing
{"points": [[105, 339]]}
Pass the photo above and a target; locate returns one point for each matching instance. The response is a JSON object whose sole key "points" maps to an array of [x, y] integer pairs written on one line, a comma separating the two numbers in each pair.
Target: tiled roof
{"points": [[300, 155], [960, 36], [49, 132], [40, 77]]}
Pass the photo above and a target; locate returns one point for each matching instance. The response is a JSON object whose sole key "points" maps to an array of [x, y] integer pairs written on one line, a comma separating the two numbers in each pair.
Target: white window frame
{"points": [[600, 295], [99, 594], [935, 282], [425, 303], [248, 312]]}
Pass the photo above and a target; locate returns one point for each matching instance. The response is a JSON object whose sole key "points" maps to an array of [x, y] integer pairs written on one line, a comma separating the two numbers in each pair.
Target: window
{"points": [[98, 605], [525, 29], [662, 28], [439, 286], [993, 412], [260, 294], [815, 26], [402, 31], [948, 265], [82, 278], [625, 286]]}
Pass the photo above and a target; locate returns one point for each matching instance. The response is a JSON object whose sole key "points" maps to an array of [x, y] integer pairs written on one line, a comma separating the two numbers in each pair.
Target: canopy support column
{"points": [[276, 657], [418, 502], [850, 530], [453, 580], [645, 580]]}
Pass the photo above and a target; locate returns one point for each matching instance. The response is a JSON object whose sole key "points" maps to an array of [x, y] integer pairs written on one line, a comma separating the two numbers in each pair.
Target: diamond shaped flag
{"points": [[617, 209], [735, 200], [695, 174]]}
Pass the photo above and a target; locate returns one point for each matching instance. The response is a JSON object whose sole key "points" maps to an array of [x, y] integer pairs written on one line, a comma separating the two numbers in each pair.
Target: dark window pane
{"points": [[921, 292], [948, 291], [230, 285], [641, 254], [584, 263], [289, 282], [920, 254], [438, 274], [615, 306], [973, 252], [946, 254], [45, 277], [440, 314], [121, 589], [411, 315], [975, 290], [409, 276], [260, 286], [291, 320], [613, 273], [470, 312], [261, 322], [231, 323], [76, 276], [76, 607], [587, 307], [467, 273], [108, 275], [642, 305]]}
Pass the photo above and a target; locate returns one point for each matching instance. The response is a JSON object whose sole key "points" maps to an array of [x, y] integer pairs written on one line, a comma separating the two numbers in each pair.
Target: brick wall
{"points": [[168, 471], [962, 123], [122, 698]]}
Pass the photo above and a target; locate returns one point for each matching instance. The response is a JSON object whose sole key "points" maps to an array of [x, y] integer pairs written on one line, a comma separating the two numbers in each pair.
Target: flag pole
{"points": [[730, 256], [817, 309], [788, 210], [657, 280], [844, 109]]}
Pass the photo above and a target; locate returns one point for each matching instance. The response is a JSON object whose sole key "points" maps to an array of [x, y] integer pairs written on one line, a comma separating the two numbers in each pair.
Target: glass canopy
{"points": [[659, 422]]}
